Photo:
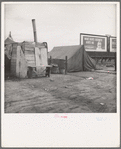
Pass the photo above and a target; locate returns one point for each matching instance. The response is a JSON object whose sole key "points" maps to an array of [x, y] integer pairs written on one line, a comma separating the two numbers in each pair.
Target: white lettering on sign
{"points": [[92, 39], [98, 39], [89, 42]]}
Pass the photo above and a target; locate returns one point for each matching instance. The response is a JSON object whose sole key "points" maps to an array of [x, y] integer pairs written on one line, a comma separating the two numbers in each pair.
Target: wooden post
{"points": [[108, 45], [115, 61], [101, 60], [65, 65], [83, 59], [50, 69], [49, 72], [94, 55]]}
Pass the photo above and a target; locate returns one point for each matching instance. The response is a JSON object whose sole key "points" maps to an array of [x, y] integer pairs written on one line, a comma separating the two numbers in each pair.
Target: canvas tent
{"points": [[77, 57]]}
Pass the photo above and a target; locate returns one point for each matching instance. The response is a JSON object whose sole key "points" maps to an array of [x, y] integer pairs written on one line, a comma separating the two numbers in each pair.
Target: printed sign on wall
{"points": [[94, 43], [112, 44]]}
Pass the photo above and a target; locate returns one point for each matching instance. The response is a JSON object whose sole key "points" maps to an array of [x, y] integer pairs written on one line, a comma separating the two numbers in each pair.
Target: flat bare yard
{"points": [[71, 93]]}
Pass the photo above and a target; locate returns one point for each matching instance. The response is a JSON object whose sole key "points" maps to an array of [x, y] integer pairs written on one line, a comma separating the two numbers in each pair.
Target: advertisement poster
{"points": [[94, 43], [112, 44]]}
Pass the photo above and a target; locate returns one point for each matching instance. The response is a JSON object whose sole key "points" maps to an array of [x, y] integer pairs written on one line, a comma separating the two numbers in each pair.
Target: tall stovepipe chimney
{"points": [[34, 30]]}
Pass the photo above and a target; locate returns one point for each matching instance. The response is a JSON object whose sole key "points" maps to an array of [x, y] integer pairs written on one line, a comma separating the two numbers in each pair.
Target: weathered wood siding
{"points": [[13, 60], [21, 64], [40, 63], [29, 52], [18, 62]]}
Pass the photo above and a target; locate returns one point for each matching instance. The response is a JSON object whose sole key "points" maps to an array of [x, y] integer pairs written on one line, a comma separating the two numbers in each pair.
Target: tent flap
{"points": [[89, 63]]}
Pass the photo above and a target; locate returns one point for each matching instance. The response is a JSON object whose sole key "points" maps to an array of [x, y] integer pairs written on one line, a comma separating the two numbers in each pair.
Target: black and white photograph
{"points": [[60, 59]]}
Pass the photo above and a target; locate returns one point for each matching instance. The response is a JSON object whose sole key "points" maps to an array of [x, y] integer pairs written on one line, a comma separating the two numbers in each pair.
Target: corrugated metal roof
{"points": [[62, 51]]}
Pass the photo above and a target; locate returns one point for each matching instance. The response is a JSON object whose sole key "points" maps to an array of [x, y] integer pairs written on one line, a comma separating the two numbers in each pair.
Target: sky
{"points": [[58, 24]]}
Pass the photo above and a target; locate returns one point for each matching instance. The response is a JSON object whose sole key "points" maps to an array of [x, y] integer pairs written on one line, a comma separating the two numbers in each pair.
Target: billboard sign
{"points": [[94, 42], [112, 44]]}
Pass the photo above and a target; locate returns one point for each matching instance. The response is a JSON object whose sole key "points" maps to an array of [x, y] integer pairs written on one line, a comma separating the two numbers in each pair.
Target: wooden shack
{"points": [[26, 56], [29, 59]]}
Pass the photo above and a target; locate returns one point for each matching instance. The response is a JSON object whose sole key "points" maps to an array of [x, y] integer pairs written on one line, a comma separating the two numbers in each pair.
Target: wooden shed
{"points": [[28, 56], [28, 59]]}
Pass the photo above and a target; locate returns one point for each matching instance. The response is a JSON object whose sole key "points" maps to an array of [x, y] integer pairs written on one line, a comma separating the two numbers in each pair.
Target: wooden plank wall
{"points": [[43, 56], [21, 58], [18, 61], [29, 52], [13, 60], [22, 64], [40, 65], [37, 56]]}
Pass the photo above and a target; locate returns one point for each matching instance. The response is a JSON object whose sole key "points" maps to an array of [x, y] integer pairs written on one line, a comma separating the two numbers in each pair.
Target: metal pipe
{"points": [[34, 30]]}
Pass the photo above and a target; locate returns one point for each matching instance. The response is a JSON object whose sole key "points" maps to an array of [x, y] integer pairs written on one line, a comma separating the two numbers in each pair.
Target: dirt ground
{"points": [[79, 92]]}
